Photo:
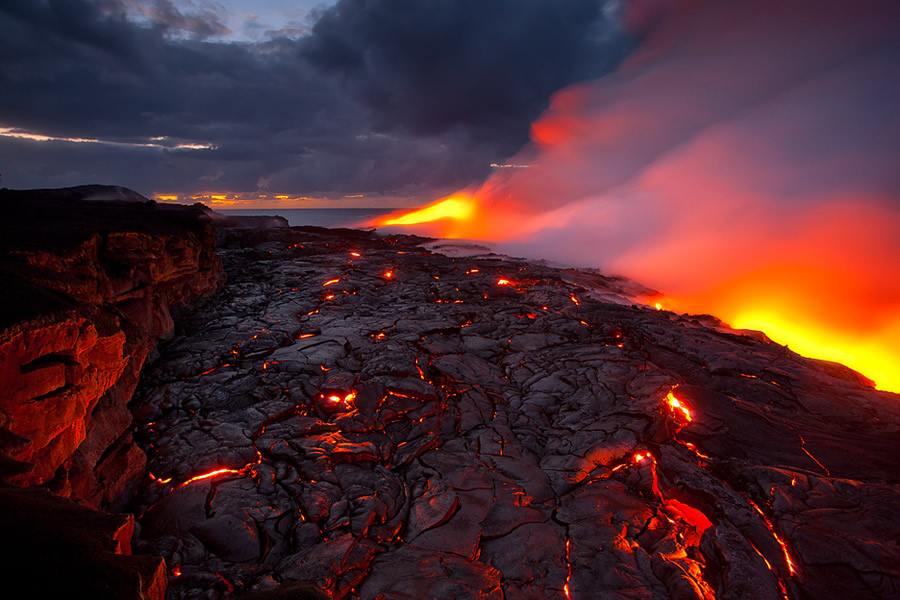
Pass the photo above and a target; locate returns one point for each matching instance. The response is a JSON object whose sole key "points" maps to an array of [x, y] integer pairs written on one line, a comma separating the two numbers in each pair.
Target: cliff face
{"points": [[88, 288]]}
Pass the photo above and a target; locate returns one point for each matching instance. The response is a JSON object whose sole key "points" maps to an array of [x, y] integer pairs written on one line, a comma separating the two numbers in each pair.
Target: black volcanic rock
{"points": [[52, 547], [356, 415]]}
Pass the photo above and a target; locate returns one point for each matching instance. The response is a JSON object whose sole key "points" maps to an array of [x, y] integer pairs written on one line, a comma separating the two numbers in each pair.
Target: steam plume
{"points": [[745, 161]]}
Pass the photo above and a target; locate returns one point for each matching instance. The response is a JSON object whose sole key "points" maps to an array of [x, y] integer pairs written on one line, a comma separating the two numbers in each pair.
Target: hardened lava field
{"points": [[357, 416]]}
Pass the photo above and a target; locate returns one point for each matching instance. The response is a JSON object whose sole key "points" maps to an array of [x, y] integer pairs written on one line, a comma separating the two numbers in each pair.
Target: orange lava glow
{"points": [[679, 410], [566, 591], [792, 569], [330, 282], [694, 517], [355, 254], [747, 205], [389, 274], [456, 208], [346, 401], [820, 293], [158, 480], [211, 475]]}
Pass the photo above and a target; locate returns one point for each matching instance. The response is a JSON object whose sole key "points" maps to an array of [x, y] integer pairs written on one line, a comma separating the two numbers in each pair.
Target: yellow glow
{"points": [[875, 358], [19, 134], [455, 207], [167, 197]]}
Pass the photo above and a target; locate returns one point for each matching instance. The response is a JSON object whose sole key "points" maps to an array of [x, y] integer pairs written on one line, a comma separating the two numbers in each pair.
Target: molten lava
{"points": [[459, 207], [746, 203], [679, 410], [210, 475]]}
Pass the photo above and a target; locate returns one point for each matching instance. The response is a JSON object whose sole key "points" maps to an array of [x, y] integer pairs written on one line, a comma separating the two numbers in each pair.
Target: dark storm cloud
{"points": [[382, 96], [489, 67], [203, 22]]}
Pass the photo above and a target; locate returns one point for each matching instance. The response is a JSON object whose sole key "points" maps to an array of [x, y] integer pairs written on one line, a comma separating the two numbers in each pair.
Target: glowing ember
{"points": [[694, 517], [388, 274], [355, 254], [176, 571], [502, 281], [568, 568], [331, 282], [346, 401], [306, 336], [678, 408], [328, 297], [792, 569], [575, 300], [814, 459], [419, 370], [473, 271], [158, 480], [211, 475]]}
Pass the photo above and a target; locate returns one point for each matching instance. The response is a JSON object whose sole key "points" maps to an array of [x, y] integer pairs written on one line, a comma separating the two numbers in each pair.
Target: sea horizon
{"points": [[354, 218]]}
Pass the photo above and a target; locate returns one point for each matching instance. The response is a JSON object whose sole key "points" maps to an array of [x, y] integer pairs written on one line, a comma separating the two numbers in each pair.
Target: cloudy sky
{"points": [[387, 98]]}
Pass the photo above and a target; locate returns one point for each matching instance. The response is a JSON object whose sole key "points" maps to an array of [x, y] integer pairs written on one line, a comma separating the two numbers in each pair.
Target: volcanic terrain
{"points": [[358, 416]]}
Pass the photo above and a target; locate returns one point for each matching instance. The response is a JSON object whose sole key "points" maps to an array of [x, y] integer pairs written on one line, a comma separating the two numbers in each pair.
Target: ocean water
{"points": [[319, 217]]}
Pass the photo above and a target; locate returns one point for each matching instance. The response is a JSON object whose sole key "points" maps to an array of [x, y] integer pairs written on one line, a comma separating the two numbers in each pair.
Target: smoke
{"points": [[744, 161]]}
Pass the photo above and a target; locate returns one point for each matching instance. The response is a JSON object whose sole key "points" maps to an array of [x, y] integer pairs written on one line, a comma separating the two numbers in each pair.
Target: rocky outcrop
{"points": [[55, 548], [90, 278], [355, 416]]}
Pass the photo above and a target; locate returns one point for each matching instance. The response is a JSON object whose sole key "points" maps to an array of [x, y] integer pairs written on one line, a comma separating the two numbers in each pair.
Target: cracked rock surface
{"points": [[355, 416]]}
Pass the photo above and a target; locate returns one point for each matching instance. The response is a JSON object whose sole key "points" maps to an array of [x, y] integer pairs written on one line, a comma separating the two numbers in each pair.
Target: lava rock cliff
{"points": [[89, 280]]}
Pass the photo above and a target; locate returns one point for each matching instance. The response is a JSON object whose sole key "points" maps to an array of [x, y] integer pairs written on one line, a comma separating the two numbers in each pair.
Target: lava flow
{"points": [[744, 204]]}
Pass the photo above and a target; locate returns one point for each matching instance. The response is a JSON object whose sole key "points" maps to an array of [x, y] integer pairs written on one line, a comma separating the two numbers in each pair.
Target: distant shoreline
{"points": [[320, 217]]}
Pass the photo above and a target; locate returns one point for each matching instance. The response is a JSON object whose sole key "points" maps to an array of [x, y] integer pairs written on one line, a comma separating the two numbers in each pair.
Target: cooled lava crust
{"points": [[356, 416]]}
